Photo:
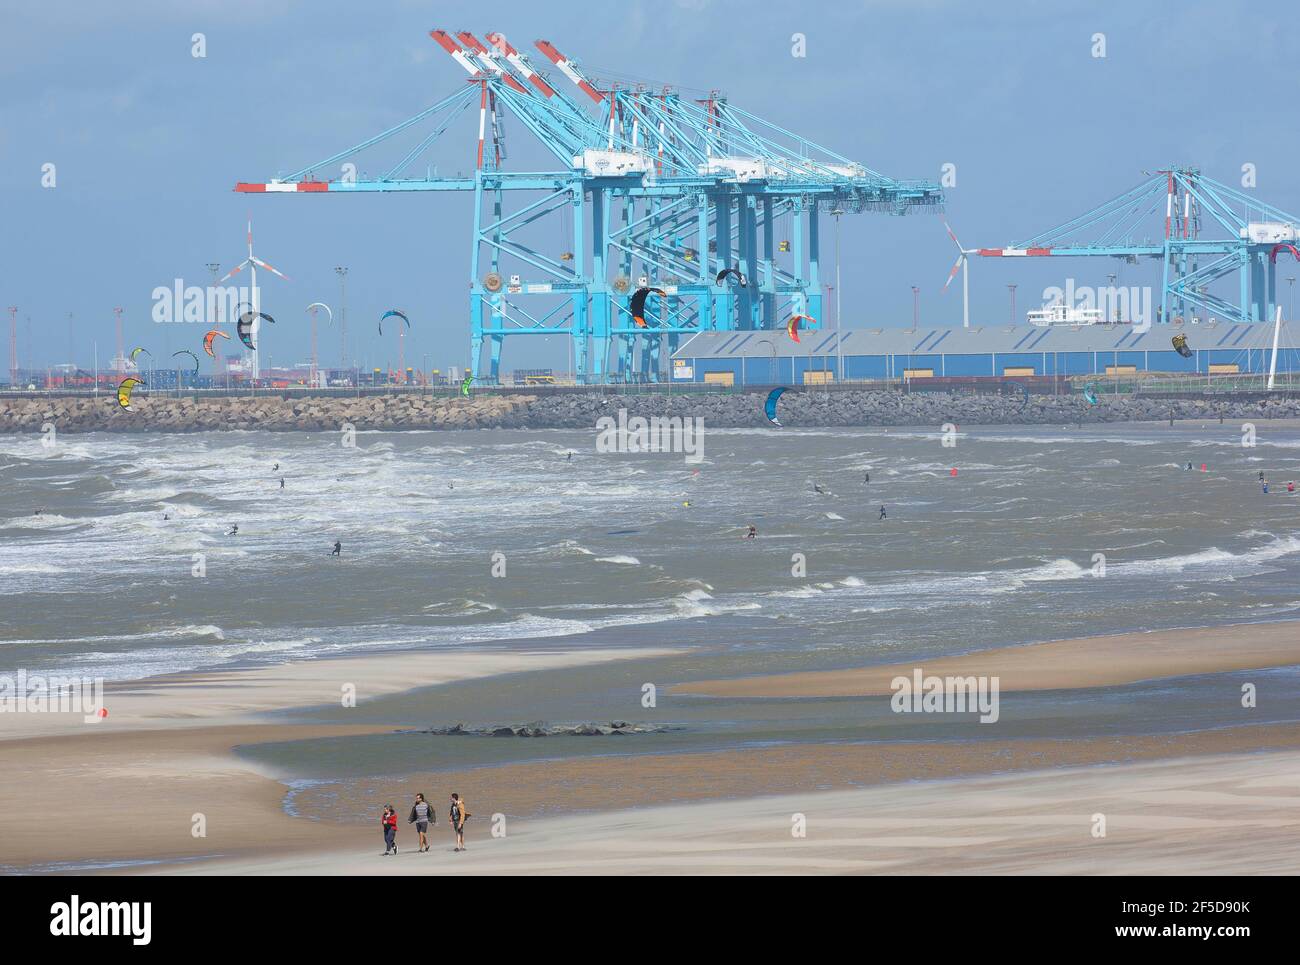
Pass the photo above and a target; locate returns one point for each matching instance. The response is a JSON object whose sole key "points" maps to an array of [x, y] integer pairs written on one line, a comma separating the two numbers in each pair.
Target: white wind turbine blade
{"points": [[948, 228], [955, 268], [235, 271], [261, 264]]}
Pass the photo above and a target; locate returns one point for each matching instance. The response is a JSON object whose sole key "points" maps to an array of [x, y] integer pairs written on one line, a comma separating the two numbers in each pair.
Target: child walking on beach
{"points": [[389, 823], [459, 815], [422, 816]]}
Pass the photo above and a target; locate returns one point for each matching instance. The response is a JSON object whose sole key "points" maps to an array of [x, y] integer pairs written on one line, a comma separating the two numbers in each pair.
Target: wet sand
{"points": [[1060, 665]]}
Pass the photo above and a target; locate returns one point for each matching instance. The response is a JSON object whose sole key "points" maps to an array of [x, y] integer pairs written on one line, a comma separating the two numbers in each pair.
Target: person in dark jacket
{"points": [[422, 815], [459, 815], [389, 823]]}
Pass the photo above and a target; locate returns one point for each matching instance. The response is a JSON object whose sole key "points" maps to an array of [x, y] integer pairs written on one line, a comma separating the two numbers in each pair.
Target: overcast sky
{"points": [[148, 141]]}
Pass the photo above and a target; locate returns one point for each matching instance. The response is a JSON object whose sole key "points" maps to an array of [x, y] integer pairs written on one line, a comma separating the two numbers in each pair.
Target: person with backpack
{"points": [[389, 823], [422, 815], [459, 815]]}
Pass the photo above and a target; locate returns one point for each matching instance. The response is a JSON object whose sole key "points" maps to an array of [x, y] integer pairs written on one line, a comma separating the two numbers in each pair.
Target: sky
{"points": [[147, 142]]}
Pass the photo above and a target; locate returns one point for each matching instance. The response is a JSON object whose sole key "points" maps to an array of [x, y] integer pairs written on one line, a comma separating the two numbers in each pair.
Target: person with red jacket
{"points": [[389, 823]]}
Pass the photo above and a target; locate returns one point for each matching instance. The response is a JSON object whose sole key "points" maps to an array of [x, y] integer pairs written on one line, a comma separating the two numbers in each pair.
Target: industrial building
{"points": [[772, 358]]}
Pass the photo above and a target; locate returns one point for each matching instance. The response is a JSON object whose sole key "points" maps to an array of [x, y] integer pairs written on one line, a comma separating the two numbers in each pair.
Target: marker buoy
{"points": [[952, 472], [1203, 469], [103, 712]]}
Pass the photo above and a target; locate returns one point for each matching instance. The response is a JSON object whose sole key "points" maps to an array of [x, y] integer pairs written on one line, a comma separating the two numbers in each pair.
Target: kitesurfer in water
{"points": [[866, 478], [338, 548], [882, 512], [817, 488], [752, 533], [234, 529], [1189, 466]]}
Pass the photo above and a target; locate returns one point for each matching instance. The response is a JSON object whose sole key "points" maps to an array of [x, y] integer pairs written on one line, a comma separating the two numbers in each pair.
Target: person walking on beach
{"points": [[422, 816], [459, 815], [389, 823]]}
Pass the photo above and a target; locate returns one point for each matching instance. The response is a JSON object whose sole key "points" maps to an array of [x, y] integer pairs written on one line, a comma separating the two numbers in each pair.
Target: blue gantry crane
{"points": [[652, 189], [1210, 231]]}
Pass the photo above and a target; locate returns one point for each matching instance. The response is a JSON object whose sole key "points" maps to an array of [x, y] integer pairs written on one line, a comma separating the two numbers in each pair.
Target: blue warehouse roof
{"points": [[983, 340]]}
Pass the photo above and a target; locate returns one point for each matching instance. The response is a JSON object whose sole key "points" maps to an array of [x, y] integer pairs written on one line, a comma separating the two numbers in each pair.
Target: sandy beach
{"points": [[138, 783], [1214, 815], [132, 784], [1060, 665]]}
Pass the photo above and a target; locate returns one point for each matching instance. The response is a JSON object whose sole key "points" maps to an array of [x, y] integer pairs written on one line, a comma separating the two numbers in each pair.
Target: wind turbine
{"points": [[252, 263], [962, 263]]}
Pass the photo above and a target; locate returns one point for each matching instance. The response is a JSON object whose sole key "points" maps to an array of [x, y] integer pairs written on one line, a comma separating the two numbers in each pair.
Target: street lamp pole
{"points": [[1012, 290], [343, 316], [839, 350]]}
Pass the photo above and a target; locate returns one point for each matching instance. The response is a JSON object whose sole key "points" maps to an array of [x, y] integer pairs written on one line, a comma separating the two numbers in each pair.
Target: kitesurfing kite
{"points": [[124, 391], [792, 326], [740, 279], [1090, 394], [245, 327], [1180, 346], [137, 351], [464, 385], [186, 351], [207, 340], [393, 311], [327, 310], [638, 303], [769, 407]]}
